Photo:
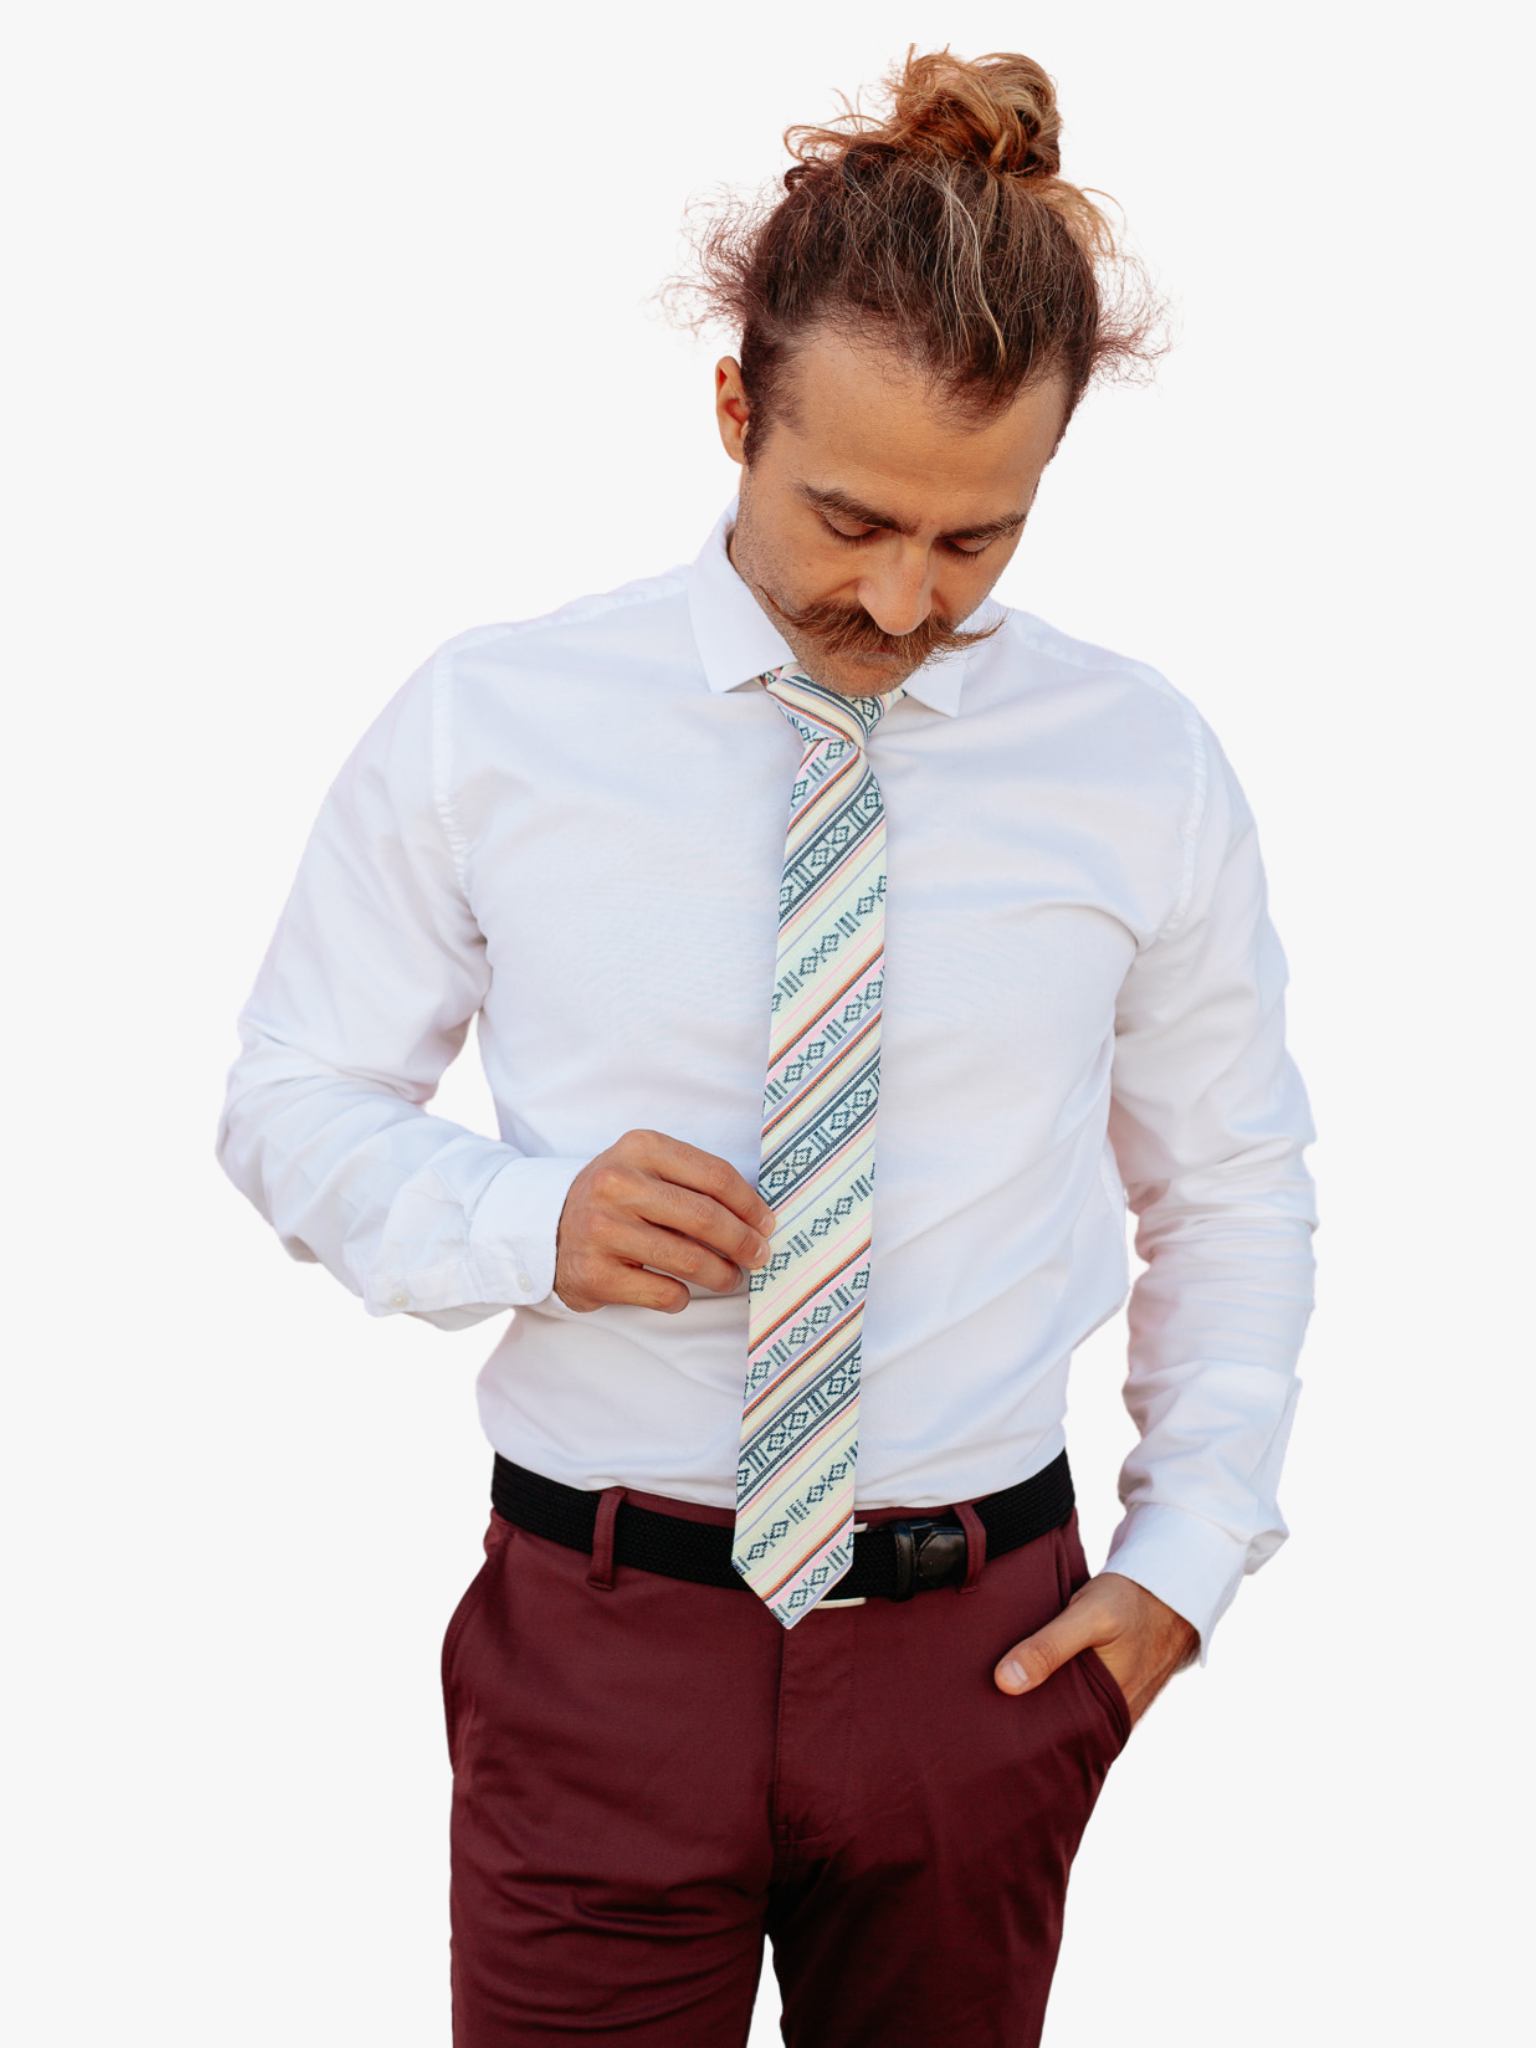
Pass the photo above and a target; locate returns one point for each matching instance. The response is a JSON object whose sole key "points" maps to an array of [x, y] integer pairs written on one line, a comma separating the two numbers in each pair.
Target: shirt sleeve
{"points": [[1208, 1122], [367, 992]]}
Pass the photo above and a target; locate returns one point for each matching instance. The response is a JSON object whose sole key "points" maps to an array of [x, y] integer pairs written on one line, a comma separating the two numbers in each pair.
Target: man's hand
{"points": [[650, 1201], [1141, 1640]]}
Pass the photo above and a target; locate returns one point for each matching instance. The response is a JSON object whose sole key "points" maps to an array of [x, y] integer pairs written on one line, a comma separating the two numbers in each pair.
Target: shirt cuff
{"points": [[1192, 1566], [500, 1256]]}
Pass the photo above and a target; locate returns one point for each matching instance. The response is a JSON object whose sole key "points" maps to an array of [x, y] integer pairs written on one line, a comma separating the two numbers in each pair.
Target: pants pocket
{"points": [[1102, 1687], [1097, 1686], [497, 1537]]}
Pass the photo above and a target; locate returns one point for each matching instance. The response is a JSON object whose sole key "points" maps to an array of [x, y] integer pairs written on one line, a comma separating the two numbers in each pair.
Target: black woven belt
{"points": [[891, 1561]]}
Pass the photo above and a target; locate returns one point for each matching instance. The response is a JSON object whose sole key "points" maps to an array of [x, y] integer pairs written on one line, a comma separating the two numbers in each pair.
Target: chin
{"points": [[868, 677]]}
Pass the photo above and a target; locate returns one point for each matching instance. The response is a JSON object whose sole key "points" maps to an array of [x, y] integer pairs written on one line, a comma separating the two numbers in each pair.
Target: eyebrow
{"points": [[866, 515]]}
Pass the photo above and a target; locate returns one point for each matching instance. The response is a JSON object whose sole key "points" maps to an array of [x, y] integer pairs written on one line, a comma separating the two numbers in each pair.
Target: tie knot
{"points": [[819, 713]]}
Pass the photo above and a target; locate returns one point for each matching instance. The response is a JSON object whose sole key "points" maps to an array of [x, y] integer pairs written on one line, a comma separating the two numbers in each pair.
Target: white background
{"points": [[326, 339]]}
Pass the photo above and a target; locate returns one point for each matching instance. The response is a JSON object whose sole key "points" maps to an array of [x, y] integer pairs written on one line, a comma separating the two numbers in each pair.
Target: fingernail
{"points": [[1014, 1676]]}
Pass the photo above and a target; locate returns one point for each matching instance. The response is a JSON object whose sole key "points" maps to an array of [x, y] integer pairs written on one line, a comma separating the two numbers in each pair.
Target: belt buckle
{"points": [[928, 1554]]}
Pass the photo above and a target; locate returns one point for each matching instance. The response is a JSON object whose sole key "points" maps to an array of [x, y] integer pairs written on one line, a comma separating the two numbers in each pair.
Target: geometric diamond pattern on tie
{"points": [[800, 1408]]}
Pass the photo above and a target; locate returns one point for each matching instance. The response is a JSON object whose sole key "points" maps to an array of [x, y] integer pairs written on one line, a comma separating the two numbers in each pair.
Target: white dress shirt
{"points": [[574, 828]]}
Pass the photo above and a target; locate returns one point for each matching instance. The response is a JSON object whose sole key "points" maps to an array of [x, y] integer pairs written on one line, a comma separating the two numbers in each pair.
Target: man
{"points": [[846, 950]]}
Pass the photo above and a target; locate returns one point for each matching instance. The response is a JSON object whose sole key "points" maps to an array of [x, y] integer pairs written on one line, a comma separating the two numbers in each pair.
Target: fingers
{"points": [[652, 1201], [685, 1215], [662, 1181], [1031, 1662], [1141, 1640], [683, 1257], [612, 1283], [669, 1159]]}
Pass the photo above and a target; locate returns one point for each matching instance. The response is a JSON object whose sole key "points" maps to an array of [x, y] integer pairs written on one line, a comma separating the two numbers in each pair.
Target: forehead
{"points": [[861, 421]]}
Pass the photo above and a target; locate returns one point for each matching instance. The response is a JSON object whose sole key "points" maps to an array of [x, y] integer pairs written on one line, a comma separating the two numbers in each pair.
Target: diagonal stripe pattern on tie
{"points": [[800, 1412]]}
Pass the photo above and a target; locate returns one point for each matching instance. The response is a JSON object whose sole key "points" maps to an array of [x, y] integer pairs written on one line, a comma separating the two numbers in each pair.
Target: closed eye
{"points": [[963, 546]]}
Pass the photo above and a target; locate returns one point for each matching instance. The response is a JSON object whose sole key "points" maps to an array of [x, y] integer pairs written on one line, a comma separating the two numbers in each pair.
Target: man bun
{"points": [[940, 228], [999, 111]]}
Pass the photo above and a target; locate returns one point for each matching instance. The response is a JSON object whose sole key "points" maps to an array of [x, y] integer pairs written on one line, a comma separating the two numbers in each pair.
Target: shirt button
{"points": [[524, 1284], [399, 1299]]}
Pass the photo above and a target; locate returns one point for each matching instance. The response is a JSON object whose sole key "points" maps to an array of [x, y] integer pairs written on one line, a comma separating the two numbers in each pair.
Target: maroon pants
{"points": [[650, 1775]]}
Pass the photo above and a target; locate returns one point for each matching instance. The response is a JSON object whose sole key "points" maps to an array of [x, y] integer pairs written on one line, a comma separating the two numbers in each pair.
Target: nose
{"points": [[898, 592]]}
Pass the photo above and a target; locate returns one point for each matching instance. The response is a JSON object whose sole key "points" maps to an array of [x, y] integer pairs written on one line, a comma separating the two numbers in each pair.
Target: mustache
{"points": [[844, 629]]}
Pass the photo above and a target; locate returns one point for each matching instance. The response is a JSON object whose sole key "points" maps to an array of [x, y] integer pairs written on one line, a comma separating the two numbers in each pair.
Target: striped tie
{"points": [[800, 1417]]}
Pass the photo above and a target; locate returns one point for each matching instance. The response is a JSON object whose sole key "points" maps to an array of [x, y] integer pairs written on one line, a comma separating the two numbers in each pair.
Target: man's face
{"points": [[873, 519]]}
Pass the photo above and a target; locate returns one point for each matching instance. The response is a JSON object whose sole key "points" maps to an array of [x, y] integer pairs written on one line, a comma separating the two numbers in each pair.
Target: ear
{"points": [[731, 408]]}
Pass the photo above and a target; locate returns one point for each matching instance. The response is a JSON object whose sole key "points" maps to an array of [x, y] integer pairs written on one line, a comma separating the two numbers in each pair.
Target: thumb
{"points": [[1031, 1662]]}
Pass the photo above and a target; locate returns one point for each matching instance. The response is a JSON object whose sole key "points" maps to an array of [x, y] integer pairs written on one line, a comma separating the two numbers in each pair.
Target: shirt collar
{"points": [[737, 640]]}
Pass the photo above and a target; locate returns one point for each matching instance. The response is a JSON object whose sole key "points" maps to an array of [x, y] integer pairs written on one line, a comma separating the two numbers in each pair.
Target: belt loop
{"points": [[601, 1574], [975, 1545]]}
